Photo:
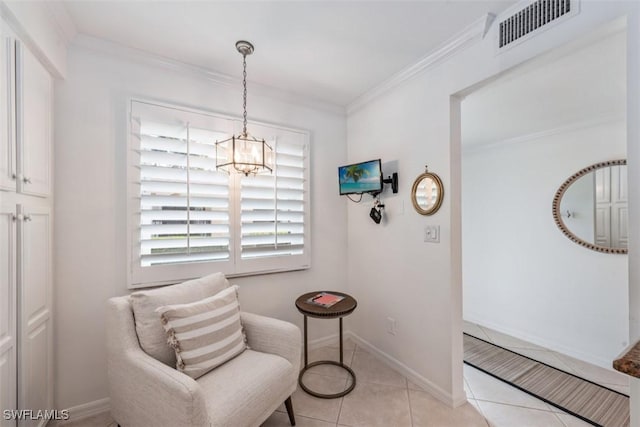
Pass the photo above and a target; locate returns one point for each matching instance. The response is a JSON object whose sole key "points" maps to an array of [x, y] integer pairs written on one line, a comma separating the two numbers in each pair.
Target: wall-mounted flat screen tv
{"points": [[358, 178]]}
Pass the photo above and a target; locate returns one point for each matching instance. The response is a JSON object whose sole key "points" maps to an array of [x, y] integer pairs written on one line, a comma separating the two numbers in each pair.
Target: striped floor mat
{"points": [[588, 401]]}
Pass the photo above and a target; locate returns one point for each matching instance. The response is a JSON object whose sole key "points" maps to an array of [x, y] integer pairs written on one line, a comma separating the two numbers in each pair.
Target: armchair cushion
{"points": [[150, 333], [247, 389], [206, 333]]}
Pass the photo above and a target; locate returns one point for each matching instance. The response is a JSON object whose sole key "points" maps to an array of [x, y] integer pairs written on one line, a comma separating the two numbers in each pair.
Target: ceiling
{"points": [[332, 51], [578, 84]]}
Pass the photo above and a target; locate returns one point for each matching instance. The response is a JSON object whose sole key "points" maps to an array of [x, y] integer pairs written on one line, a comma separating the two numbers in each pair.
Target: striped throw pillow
{"points": [[206, 333]]}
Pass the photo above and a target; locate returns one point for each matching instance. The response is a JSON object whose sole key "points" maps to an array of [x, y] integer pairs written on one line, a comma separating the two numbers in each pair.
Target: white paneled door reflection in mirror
{"points": [[591, 207]]}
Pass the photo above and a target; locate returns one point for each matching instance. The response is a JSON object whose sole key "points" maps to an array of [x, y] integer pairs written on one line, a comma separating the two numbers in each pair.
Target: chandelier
{"points": [[244, 153]]}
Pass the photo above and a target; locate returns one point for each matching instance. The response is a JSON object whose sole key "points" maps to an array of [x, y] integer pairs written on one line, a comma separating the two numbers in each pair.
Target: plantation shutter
{"points": [[273, 206], [184, 202], [185, 219]]}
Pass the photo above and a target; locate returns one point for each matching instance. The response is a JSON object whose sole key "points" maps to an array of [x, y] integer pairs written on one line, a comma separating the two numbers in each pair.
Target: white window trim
{"points": [[142, 277]]}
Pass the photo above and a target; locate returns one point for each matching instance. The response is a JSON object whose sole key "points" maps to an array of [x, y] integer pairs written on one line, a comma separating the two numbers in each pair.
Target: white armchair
{"points": [[245, 391]]}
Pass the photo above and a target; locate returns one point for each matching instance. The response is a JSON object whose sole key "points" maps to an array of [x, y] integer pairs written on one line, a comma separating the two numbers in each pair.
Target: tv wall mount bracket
{"points": [[393, 180]]}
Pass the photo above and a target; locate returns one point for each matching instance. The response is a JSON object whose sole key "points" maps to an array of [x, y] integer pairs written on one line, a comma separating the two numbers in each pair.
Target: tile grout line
{"points": [[340, 409], [482, 413], [475, 400], [516, 406], [484, 332], [314, 418], [560, 419], [353, 355], [473, 395], [409, 401]]}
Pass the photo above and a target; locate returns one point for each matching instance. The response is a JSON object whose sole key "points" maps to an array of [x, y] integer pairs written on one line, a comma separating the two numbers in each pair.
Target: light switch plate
{"points": [[432, 233]]}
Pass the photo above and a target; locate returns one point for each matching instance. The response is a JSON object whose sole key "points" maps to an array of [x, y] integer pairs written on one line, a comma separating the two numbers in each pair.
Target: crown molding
{"points": [[570, 127], [143, 57], [64, 24], [477, 30]]}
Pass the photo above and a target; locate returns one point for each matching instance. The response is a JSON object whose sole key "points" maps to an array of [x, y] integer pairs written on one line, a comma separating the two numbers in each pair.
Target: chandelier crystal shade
{"points": [[244, 153]]}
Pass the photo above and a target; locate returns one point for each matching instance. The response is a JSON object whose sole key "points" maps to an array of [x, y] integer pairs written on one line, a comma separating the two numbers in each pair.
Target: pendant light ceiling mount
{"points": [[244, 47], [244, 153]]}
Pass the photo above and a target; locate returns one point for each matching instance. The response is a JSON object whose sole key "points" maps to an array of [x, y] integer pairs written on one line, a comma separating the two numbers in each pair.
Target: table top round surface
{"points": [[339, 309]]}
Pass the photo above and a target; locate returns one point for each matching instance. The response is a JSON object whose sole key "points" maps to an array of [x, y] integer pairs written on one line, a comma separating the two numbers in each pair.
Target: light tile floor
{"points": [[383, 397]]}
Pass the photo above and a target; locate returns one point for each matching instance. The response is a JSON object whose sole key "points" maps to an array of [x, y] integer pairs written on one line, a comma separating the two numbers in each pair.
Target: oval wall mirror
{"points": [[427, 193], [590, 208]]}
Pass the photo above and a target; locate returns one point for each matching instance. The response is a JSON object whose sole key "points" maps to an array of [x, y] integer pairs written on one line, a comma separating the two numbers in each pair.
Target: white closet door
{"points": [[602, 218], [8, 346], [34, 278], [34, 96], [8, 165], [619, 207]]}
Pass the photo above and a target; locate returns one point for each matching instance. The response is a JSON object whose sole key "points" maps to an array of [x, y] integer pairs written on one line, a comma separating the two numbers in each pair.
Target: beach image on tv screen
{"points": [[360, 178]]}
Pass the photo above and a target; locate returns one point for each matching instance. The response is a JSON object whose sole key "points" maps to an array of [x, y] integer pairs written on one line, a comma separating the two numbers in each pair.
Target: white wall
{"points": [[521, 275], [391, 271], [90, 205]]}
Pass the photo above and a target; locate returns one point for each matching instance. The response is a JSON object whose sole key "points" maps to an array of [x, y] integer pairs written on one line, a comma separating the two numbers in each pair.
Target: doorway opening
{"points": [[526, 286]]}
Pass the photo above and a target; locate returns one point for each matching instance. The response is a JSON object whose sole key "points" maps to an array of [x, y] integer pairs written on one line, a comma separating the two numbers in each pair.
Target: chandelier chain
{"points": [[244, 96], [242, 152]]}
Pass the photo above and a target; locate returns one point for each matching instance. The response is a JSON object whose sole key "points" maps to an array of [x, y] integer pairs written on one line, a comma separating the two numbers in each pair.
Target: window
{"points": [[186, 219]]}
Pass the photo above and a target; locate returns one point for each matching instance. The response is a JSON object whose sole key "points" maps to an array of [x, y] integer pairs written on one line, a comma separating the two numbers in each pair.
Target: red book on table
{"points": [[325, 299]]}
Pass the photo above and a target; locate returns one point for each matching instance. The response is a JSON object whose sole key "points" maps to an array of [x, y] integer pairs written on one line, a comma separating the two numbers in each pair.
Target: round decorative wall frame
{"points": [[427, 193]]}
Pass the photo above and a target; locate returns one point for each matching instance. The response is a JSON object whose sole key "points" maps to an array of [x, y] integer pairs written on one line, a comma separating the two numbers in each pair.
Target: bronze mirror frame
{"points": [[557, 216], [438, 182]]}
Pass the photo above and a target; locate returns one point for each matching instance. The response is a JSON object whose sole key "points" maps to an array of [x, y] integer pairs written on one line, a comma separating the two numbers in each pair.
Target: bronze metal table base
{"points": [[341, 309], [322, 395]]}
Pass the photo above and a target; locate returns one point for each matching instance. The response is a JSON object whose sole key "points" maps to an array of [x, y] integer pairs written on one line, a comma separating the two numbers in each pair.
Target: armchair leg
{"points": [[289, 406]]}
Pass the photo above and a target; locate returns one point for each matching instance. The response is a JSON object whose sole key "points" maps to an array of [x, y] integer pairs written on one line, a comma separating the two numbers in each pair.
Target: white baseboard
{"points": [[89, 409], [542, 342], [415, 377]]}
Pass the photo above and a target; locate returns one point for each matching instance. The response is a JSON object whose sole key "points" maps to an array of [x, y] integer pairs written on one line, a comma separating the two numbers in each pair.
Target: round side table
{"points": [[338, 310]]}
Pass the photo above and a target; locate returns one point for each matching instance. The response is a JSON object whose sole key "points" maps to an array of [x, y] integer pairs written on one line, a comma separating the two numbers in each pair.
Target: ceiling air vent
{"points": [[532, 18]]}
